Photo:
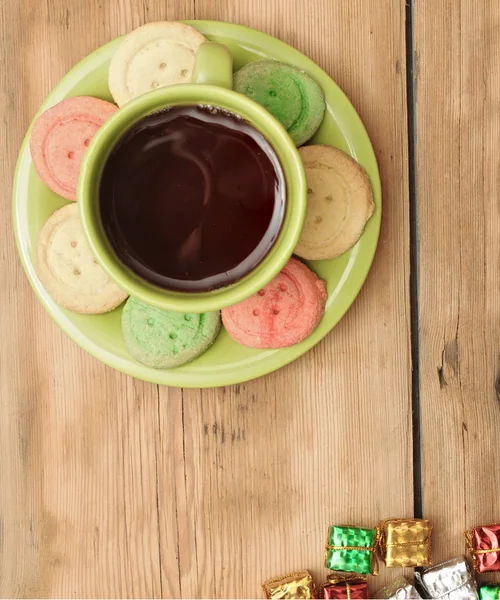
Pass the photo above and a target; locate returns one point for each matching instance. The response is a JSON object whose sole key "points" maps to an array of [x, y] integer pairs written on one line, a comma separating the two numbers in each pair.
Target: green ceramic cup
{"points": [[212, 82]]}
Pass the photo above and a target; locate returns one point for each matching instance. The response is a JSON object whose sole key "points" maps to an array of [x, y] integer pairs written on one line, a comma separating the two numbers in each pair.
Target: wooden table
{"points": [[111, 487]]}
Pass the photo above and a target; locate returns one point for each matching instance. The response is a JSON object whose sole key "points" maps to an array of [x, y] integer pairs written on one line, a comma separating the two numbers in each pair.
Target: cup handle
{"points": [[213, 65]]}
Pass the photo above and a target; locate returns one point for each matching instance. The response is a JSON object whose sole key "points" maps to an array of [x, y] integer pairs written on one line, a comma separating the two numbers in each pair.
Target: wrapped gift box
{"points": [[344, 587], [296, 585], [352, 549], [399, 589], [484, 545], [489, 591], [405, 542], [451, 580]]}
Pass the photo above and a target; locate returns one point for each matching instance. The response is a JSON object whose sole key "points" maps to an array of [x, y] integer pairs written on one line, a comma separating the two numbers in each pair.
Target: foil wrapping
{"points": [[296, 585], [352, 550], [406, 542], [484, 545], [451, 580], [399, 589]]}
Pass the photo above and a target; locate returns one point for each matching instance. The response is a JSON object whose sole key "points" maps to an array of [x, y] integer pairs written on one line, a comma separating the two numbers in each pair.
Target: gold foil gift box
{"points": [[405, 542], [296, 585]]}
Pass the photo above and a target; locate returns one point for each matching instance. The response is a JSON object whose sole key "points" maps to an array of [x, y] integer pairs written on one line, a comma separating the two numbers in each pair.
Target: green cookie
{"points": [[288, 93], [163, 340]]}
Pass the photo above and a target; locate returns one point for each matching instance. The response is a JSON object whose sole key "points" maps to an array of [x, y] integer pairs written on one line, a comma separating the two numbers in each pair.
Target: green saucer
{"points": [[226, 362]]}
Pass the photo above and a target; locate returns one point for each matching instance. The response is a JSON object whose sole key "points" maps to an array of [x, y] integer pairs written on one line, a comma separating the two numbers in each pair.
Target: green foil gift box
{"points": [[489, 591], [352, 550]]}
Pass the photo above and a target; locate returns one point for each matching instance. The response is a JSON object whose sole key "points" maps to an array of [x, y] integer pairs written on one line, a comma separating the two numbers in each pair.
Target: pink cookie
{"points": [[282, 314], [60, 137]]}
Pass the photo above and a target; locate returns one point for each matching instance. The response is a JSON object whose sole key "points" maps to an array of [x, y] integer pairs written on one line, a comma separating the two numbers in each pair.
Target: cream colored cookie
{"points": [[68, 270], [339, 202], [152, 56]]}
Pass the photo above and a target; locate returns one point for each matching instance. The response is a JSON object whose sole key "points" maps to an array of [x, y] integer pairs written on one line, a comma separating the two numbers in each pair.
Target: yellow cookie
{"points": [[339, 202], [68, 270], [152, 56]]}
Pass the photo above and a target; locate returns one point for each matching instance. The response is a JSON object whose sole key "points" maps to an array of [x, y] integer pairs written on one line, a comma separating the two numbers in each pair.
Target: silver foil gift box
{"points": [[399, 589], [451, 580]]}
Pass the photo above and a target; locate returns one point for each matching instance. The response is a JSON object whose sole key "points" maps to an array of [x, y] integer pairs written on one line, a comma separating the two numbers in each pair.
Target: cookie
{"points": [[60, 137], [152, 56], [68, 270], [288, 93], [283, 313], [161, 339], [339, 203]]}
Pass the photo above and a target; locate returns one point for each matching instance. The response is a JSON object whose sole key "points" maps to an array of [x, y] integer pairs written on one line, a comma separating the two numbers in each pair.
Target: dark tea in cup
{"points": [[192, 198]]}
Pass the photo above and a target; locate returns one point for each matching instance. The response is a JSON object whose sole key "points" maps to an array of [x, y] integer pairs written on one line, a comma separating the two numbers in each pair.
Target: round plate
{"points": [[226, 362]]}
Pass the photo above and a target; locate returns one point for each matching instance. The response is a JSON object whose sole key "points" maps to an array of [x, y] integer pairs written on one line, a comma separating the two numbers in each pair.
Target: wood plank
{"points": [[113, 488], [78, 505], [265, 467], [458, 182]]}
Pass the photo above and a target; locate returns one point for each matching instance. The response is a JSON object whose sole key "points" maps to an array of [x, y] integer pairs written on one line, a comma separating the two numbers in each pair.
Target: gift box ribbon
{"points": [[335, 578], [403, 544]]}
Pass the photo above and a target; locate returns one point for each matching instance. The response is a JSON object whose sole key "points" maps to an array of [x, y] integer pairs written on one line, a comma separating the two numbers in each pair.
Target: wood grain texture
{"points": [[111, 487], [458, 181]]}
